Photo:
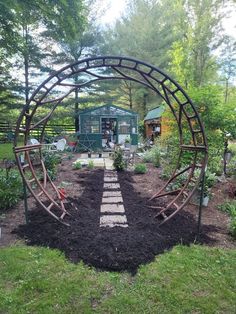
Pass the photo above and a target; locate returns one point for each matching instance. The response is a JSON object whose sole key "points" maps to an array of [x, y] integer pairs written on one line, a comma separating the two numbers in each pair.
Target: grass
{"points": [[194, 279], [6, 151]]}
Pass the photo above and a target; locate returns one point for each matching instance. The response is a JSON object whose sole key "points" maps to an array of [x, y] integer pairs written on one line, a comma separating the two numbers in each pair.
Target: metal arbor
{"points": [[60, 84]]}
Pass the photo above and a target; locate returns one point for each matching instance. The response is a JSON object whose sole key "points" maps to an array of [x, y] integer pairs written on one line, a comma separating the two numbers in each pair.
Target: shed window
{"points": [[124, 126], [90, 125]]}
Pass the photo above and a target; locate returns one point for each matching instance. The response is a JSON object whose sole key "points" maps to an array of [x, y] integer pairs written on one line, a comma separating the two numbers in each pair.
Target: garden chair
{"points": [[33, 141], [57, 146]]}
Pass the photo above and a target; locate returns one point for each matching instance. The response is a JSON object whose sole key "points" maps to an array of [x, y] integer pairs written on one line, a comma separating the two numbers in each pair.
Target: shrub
{"points": [[231, 167], [232, 148], [147, 156], [233, 227], [230, 208], [153, 155], [178, 182], [10, 188], [140, 168], [119, 162], [51, 160], [90, 165], [77, 165]]}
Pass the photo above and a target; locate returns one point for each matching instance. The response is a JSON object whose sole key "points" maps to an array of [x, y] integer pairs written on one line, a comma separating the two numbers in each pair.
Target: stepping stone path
{"points": [[112, 209]]}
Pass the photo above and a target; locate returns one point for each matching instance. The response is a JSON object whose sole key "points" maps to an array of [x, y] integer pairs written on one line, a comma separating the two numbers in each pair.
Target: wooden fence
{"points": [[7, 130]]}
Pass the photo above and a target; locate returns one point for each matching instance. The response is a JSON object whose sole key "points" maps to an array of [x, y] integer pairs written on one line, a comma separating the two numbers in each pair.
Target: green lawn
{"points": [[6, 151], [192, 279]]}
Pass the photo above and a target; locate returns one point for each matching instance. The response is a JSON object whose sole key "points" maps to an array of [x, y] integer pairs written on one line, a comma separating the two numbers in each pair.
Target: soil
{"points": [[116, 248]]}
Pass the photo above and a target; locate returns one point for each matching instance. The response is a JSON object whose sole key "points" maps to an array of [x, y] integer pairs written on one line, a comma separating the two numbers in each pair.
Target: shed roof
{"points": [[155, 113], [108, 110]]}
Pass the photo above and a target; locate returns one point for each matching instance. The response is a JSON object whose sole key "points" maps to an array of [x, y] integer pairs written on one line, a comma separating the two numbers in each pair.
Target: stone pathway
{"points": [[112, 207]]}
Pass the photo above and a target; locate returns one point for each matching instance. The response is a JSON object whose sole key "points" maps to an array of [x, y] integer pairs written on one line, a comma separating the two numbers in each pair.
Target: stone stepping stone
{"points": [[114, 225], [110, 179], [112, 186], [110, 173], [111, 193], [112, 199], [112, 208], [109, 164], [112, 219]]}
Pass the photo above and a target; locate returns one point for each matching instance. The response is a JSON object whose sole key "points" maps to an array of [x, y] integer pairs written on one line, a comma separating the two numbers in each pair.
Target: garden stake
{"points": [[25, 202], [22, 161], [200, 206]]}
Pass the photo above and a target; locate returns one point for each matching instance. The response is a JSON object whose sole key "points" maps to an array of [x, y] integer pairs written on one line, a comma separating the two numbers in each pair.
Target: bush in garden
{"points": [[10, 188], [51, 160], [153, 155], [118, 163], [147, 157], [230, 208], [77, 165], [231, 167], [233, 226], [140, 168], [90, 165]]}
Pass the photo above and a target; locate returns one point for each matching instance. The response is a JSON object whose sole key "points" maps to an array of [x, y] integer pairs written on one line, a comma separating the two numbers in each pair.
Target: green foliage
{"points": [[231, 167], [51, 160], [153, 156], [232, 148], [230, 208], [169, 154], [197, 29], [10, 188], [77, 165], [210, 181], [118, 162], [178, 182], [41, 280], [140, 168], [147, 157], [141, 128], [90, 164], [6, 151]]}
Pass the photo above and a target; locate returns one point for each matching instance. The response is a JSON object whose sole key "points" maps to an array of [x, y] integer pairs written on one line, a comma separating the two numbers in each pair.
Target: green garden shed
{"points": [[103, 127]]}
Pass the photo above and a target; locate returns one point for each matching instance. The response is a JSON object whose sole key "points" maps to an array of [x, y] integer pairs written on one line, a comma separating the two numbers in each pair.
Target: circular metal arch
{"points": [[61, 84]]}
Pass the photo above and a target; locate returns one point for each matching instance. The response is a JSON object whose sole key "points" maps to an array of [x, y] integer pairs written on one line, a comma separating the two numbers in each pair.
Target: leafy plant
{"points": [[51, 160], [230, 208], [127, 140], [153, 155], [140, 168], [147, 157], [119, 162], [10, 188], [77, 165], [231, 167], [179, 181], [91, 165]]}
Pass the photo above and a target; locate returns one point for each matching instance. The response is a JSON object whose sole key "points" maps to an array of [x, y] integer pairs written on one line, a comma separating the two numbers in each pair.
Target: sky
{"points": [[116, 7]]}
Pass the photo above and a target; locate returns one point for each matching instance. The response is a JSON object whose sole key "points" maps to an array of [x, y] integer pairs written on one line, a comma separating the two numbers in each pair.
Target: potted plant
{"points": [[62, 191], [72, 141], [210, 180]]}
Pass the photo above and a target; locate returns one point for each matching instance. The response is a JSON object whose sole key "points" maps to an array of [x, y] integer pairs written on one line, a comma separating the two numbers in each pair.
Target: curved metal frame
{"points": [[191, 132]]}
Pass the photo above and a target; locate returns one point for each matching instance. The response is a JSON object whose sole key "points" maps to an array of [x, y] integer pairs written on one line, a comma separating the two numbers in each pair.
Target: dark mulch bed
{"points": [[118, 248]]}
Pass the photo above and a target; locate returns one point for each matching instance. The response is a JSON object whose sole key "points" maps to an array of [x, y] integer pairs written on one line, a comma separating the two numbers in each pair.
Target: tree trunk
{"points": [[226, 90], [130, 97], [26, 62], [76, 121]]}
